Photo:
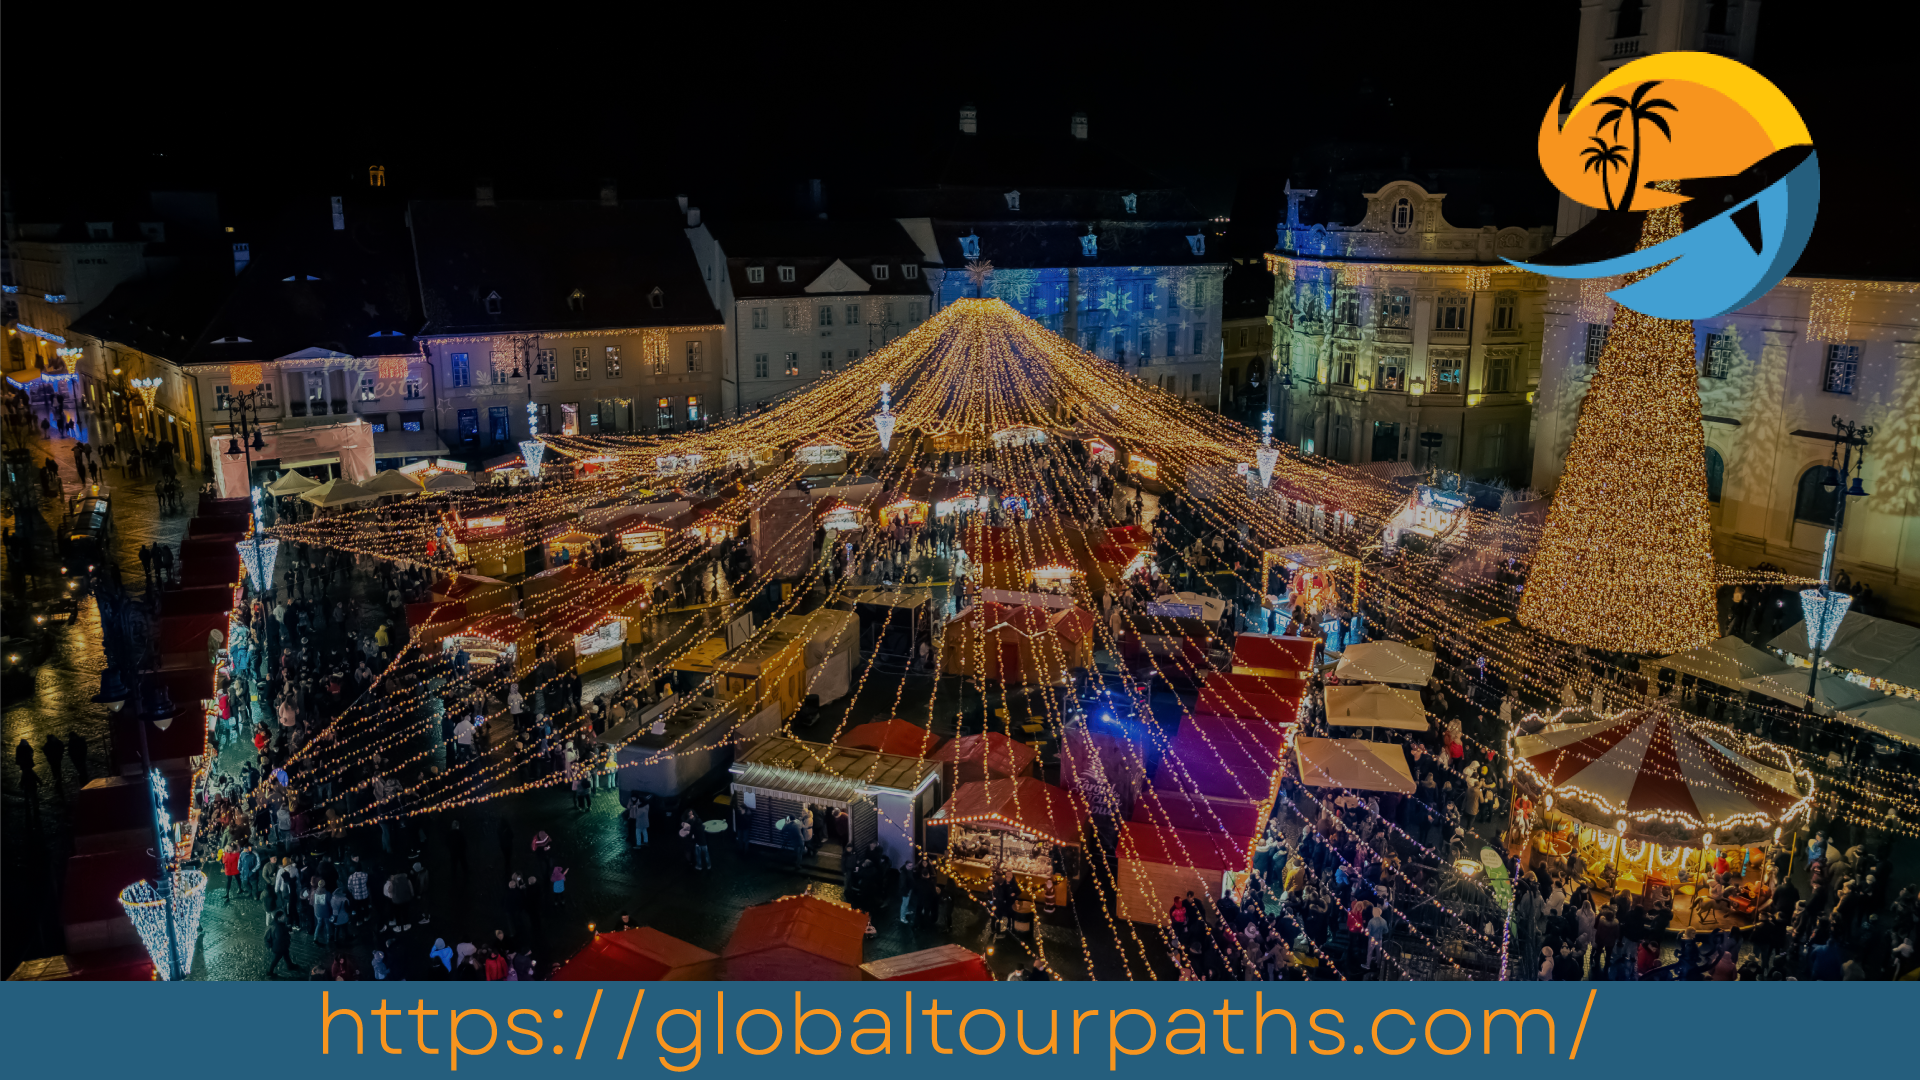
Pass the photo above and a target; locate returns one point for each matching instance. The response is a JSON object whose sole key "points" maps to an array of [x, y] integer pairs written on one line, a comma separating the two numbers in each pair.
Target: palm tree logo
{"points": [[1638, 111], [1603, 158]]}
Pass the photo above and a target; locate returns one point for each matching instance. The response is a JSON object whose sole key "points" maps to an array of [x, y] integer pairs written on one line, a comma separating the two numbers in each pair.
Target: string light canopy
{"points": [[1625, 562]]}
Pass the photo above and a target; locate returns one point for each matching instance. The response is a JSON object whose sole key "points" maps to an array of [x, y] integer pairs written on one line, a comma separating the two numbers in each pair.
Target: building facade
{"points": [[1246, 340], [1404, 338], [578, 317], [802, 300]]}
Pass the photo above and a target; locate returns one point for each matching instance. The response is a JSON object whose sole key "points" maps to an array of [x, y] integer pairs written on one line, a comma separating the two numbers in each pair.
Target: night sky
{"points": [[740, 111]]}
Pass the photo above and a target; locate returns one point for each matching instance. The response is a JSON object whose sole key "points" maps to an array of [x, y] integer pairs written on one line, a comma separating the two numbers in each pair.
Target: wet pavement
{"points": [[36, 834]]}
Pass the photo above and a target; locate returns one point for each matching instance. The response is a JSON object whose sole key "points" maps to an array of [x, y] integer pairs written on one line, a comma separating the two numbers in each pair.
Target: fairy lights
{"points": [[1823, 610], [148, 912]]}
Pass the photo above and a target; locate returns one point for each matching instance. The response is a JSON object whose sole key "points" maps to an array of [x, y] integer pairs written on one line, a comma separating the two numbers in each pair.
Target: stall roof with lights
{"points": [[1386, 662], [1355, 764], [1878, 648]]}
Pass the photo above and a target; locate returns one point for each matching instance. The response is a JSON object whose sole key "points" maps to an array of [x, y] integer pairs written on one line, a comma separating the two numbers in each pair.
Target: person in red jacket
{"points": [[230, 862]]}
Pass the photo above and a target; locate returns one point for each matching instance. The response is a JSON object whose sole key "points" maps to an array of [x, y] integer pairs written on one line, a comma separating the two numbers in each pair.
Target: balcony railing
{"points": [[1625, 47]]}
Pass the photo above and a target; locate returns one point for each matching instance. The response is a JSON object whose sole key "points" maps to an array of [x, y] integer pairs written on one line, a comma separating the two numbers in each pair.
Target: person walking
{"points": [[279, 942], [249, 862], [77, 753], [639, 809], [56, 752], [230, 863]]}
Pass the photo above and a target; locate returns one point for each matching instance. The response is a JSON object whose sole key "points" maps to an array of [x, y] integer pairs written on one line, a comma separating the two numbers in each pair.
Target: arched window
{"points": [[1716, 474], [1812, 503], [1627, 22], [1402, 215]]}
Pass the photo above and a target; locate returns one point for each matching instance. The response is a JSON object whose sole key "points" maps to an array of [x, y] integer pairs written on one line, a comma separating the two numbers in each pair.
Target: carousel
{"points": [[1649, 800]]}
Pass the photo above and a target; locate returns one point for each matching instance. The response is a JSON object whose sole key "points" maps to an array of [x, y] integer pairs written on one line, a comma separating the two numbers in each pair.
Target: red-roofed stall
{"points": [[1025, 826], [797, 939], [893, 736], [1272, 655], [978, 757], [1159, 864], [642, 954], [942, 963]]}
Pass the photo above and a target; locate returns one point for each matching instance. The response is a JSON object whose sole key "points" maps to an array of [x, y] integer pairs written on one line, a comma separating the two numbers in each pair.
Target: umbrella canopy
{"points": [[1354, 763], [1026, 805], [292, 483], [337, 493], [1386, 662], [1649, 765], [393, 482], [641, 954], [1734, 663], [1375, 705], [894, 736], [449, 481]]}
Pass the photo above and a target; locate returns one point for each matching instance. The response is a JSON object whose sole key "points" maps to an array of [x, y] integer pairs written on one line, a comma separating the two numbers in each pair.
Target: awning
{"points": [[1873, 647], [333, 459], [1354, 763], [1375, 705], [1733, 663]]}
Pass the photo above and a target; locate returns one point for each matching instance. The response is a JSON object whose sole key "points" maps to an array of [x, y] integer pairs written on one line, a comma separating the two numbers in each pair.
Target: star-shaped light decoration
{"points": [[978, 271], [1266, 457]]}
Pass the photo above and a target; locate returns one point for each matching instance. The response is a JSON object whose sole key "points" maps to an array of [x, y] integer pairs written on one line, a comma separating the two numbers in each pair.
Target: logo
{"points": [[1723, 144]]}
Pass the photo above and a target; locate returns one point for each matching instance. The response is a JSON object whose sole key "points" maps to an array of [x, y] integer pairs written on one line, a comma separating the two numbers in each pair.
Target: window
{"points": [[469, 425], [497, 372], [826, 315], [493, 303], [756, 274], [1199, 338], [760, 365], [853, 314], [1493, 446], [1396, 308], [369, 390], [580, 366], [1146, 346], [222, 398], [1445, 364], [1716, 474], [1813, 503], [1506, 313], [915, 308], [459, 372], [1390, 371], [1342, 367], [663, 412], [1499, 374], [316, 390], [785, 273], [414, 390], [1386, 441], [759, 318], [1716, 360], [693, 408], [793, 364], [613, 361], [1450, 312], [410, 421], [909, 271], [1198, 381], [790, 317], [852, 355], [1627, 22], [1403, 215], [880, 271], [1346, 307], [657, 298], [544, 417], [1843, 363], [570, 418], [1596, 343], [826, 360], [546, 365], [696, 356], [499, 424]]}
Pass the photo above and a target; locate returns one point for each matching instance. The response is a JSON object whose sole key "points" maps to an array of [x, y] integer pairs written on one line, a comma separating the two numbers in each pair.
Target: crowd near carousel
{"points": [[992, 660]]}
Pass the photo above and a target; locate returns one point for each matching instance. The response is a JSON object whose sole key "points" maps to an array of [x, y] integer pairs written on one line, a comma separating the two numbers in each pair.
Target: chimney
{"points": [[483, 192], [1079, 125], [693, 217], [683, 203], [242, 253], [969, 119], [609, 193]]}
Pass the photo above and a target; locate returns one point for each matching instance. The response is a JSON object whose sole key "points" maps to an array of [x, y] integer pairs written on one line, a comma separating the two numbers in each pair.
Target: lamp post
{"points": [[243, 421], [1822, 608]]}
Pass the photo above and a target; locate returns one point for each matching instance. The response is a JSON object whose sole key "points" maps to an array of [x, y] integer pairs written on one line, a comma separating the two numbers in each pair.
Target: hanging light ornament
{"points": [[533, 451], [1823, 612], [1266, 457], [148, 910], [884, 420], [258, 557]]}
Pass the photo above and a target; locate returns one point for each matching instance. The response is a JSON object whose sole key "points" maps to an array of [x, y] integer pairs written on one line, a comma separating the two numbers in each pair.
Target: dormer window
{"points": [[1403, 215], [1131, 202], [909, 271], [1090, 243], [1013, 200], [756, 274], [1198, 242], [880, 271], [493, 303], [576, 301], [785, 273], [970, 246], [657, 298]]}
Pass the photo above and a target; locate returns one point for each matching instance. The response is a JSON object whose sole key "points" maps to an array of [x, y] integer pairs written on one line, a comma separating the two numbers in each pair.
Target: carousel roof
{"points": [[1648, 764]]}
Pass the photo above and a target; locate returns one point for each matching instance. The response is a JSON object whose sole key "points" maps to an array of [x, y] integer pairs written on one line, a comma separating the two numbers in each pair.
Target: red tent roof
{"points": [[797, 937], [1273, 700], [1152, 843], [1266, 653], [894, 736], [942, 963], [1031, 806], [997, 754], [642, 954]]}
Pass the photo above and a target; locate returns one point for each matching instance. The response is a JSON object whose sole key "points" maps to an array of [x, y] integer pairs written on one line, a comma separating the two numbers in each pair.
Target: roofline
{"points": [[685, 328]]}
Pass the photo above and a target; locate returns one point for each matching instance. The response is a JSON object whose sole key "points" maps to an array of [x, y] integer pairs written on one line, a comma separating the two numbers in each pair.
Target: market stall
{"points": [[830, 646], [642, 954], [892, 736], [1017, 645], [797, 939], [1158, 864], [570, 546], [1385, 662], [486, 543], [1732, 663], [1354, 764], [1374, 705], [942, 963], [1276, 701], [1273, 655], [979, 757], [885, 797], [391, 482], [675, 745], [834, 515], [1313, 582], [1026, 827]]}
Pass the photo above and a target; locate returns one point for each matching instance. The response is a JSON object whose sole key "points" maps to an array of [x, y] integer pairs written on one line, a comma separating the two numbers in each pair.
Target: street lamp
{"points": [[1822, 608], [243, 420]]}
